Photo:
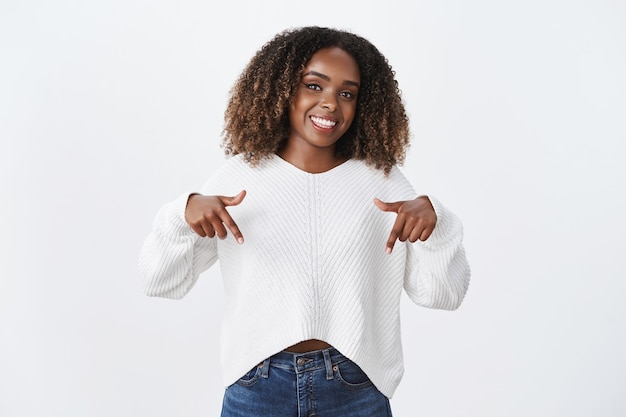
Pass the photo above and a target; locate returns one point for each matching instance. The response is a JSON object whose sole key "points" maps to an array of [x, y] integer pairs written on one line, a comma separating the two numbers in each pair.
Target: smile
{"points": [[323, 123]]}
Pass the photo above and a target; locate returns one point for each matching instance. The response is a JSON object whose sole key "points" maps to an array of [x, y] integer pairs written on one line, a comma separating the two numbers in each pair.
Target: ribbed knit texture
{"points": [[313, 265]]}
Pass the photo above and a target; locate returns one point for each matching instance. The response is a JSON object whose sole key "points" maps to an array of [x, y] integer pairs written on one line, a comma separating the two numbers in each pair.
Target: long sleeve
{"points": [[437, 273], [173, 255]]}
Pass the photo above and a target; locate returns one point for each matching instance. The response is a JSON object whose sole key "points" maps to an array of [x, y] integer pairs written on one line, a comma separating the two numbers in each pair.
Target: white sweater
{"points": [[313, 265]]}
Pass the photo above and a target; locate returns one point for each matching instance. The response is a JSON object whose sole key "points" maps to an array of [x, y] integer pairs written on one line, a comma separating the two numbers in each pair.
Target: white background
{"points": [[110, 109]]}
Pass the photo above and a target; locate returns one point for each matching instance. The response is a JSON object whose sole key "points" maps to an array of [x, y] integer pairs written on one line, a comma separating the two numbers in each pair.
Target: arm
{"points": [[437, 272], [182, 242], [173, 255]]}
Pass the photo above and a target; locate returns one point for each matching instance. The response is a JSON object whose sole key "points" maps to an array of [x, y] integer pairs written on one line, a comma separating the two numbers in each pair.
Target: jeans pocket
{"points": [[351, 375], [250, 377]]}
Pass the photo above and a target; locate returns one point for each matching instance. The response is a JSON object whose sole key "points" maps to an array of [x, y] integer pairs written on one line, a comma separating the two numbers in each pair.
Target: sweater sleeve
{"points": [[173, 256], [437, 272]]}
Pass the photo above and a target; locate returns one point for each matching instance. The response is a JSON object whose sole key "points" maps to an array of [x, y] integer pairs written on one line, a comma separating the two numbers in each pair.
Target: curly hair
{"points": [[257, 115]]}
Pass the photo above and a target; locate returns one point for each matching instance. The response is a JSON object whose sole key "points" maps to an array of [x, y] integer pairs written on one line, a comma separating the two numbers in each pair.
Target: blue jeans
{"points": [[322, 383]]}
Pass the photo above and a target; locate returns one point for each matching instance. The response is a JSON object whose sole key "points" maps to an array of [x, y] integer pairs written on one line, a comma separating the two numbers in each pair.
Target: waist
{"points": [[308, 346], [307, 361]]}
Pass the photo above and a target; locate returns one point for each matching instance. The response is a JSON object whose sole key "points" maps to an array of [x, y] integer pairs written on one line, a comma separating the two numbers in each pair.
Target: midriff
{"points": [[308, 346]]}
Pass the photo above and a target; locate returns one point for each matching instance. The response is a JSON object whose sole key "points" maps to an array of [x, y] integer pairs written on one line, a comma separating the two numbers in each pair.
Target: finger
{"points": [[405, 234], [409, 224], [416, 229], [220, 230], [209, 230], [416, 234], [394, 207], [232, 226], [393, 236], [233, 201], [222, 220], [198, 229], [426, 233], [391, 242]]}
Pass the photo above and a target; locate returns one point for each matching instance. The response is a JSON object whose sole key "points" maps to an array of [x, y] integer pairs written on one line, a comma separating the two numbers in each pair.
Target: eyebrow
{"points": [[327, 78]]}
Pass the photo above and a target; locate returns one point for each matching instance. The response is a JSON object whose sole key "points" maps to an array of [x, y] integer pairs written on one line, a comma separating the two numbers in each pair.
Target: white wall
{"points": [[110, 109]]}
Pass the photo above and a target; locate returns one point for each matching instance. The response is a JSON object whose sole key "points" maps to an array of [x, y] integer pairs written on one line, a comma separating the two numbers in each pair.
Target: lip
{"points": [[323, 123]]}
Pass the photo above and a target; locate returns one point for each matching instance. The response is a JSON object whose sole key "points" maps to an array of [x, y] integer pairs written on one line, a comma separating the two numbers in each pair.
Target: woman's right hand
{"points": [[207, 215]]}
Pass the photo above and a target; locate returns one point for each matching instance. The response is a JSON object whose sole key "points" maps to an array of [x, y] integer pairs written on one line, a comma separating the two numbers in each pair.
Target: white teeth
{"points": [[323, 122]]}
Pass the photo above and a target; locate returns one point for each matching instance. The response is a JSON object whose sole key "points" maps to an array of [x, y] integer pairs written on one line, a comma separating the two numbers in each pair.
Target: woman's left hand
{"points": [[416, 219]]}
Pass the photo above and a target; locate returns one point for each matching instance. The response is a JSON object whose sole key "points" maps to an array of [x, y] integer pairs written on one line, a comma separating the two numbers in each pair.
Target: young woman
{"points": [[317, 232]]}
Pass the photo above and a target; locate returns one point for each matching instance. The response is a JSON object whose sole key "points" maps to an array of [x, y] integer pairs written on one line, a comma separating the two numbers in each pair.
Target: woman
{"points": [[305, 218]]}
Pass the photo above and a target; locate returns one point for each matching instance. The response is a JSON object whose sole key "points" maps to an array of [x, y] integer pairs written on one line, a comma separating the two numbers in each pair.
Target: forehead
{"points": [[335, 63]]}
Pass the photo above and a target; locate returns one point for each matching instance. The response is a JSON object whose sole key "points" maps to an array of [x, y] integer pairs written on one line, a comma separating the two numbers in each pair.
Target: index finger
{"points": [[232, 226], [395, 233]]}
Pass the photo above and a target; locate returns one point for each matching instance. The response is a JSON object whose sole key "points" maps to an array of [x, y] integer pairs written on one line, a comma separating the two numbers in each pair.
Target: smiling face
{"points": [[325, 101]]}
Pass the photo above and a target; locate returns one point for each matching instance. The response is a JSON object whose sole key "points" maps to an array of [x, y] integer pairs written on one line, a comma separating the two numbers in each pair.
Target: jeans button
{"points": [[300, 361]]}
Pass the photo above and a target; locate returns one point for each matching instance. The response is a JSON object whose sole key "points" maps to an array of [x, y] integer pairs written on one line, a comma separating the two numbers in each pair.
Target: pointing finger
{"points": [[394, 235], [234, 229], [227, 219]]}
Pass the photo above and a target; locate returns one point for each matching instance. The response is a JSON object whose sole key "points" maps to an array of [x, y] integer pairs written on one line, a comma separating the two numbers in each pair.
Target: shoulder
{"points": [[235, 165], [362, 177], [395, 174], [397, 185], [233, 171]]}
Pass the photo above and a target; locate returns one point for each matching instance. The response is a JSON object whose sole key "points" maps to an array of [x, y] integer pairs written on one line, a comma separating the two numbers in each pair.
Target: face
{"points": [[325, 101]]}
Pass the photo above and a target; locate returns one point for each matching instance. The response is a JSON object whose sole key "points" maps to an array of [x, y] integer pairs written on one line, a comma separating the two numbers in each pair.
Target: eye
{"points": [[347, 94], [314, 87]]}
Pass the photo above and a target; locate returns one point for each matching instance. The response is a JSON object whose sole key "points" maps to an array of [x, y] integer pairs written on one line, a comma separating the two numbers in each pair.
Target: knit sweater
{"points": [[313, 264]]}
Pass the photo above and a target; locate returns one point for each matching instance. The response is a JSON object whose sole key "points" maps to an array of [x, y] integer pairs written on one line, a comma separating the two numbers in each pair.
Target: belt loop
{"points": [[329, 365], [265, 368]]}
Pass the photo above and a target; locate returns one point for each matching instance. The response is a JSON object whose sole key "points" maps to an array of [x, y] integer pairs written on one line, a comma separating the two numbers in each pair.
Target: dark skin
{"points": [[322, 111]]}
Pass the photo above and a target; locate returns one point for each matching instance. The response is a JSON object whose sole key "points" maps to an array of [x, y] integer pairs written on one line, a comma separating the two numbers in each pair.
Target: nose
{"points": [[329, 102]]}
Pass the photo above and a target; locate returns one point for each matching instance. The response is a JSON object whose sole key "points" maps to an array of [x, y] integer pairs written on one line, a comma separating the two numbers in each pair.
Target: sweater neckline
{"points": [[339, 168]]}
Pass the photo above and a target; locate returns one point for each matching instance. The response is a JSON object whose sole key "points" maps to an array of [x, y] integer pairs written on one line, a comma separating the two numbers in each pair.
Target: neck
{"points": [[314, 161]]}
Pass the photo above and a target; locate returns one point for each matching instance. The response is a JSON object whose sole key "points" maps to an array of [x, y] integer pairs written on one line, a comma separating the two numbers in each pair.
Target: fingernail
{"points": [[240, 240], [388, 251]]}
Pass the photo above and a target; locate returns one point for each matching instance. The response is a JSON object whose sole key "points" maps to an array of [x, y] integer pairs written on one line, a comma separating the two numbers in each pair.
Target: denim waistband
{"points": [[308, 361]]}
